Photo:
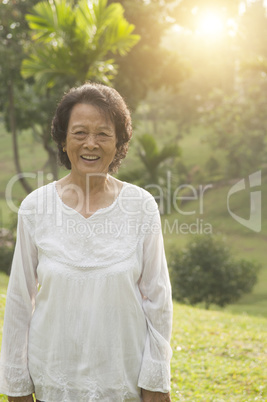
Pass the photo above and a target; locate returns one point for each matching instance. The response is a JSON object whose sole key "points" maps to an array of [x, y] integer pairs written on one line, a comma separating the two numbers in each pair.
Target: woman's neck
{"points": [[89, 184], [88, 195]]}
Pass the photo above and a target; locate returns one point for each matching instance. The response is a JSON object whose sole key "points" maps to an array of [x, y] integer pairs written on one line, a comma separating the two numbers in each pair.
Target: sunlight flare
{"points": [[210, 24]]}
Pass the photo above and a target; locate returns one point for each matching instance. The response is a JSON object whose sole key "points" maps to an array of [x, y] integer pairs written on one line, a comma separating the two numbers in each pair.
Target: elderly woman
{"points": [[88, 310]]}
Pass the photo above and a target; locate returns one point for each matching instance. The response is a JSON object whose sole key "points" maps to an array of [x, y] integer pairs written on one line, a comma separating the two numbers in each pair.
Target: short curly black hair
{"points": [[108, 100]]}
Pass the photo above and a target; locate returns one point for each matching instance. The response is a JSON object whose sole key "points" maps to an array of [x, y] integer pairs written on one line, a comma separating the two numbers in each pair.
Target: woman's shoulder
{"points": [[36, 200], [133, 189], [135, 198]]}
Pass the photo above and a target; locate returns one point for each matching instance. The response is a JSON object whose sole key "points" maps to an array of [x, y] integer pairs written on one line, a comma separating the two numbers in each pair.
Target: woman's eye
{"points": [[103, 134], [80, 134]]}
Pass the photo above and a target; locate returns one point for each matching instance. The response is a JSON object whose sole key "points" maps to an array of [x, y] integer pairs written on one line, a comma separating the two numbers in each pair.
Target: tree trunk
{"points": [[13, 128]]}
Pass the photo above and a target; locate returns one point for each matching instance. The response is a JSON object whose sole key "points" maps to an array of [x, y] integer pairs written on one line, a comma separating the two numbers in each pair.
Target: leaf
{"points": [[74, 43], [42, 21], [169, 151], [149, 146]]}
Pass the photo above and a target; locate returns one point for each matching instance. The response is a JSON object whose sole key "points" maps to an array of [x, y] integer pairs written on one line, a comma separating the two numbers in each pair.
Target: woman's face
{"points": [[90, 141]]}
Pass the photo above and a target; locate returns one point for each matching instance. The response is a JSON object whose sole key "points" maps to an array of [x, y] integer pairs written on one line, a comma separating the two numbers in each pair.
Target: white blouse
{"points": [[88, 311]]}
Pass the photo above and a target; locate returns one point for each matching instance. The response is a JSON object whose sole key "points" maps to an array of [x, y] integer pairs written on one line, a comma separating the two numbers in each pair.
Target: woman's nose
{"points": [[91, 141]]}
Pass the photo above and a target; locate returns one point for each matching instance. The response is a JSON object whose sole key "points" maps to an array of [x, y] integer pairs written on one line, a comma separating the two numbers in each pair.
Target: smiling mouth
{"points": [[90, 158]]}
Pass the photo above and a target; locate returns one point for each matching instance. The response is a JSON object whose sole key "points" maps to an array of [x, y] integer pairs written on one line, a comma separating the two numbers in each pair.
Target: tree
{"points": [[253, 30], [154, 162], [149, 66], [153, 171], [165, 105], [13, 36], [238, 125], [206, 272], [72, 42], [253, 49], [232, 99], [152, 157]]}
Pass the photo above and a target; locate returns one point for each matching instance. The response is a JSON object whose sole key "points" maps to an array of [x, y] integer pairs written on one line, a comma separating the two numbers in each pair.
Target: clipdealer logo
{"points": [[254, 220], [172, 198]]}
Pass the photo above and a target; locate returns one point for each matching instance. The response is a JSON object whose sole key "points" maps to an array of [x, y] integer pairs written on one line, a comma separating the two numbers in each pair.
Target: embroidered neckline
{"points": [[98, 211]]}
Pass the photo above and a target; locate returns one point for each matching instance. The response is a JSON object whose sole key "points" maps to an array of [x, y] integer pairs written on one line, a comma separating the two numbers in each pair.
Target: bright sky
{"points": [[243, 3], [213, 25]]}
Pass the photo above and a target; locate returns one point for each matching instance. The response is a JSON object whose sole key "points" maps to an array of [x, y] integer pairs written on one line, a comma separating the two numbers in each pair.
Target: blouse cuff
{"points": [[154, 376], [15, 382]]}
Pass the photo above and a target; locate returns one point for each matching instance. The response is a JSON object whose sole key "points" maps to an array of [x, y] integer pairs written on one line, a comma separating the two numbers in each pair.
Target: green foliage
{"points": [[212, 166], [149, 65], [152, 163], [68, 43], [206, 272], [13, 38], [164, 105], [6, 255], [152, 157], [238, 125], [7, 242], [79, 38]]}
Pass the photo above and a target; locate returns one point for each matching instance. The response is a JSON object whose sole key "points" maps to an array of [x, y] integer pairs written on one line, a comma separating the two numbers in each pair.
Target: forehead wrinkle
{"points": [[77, 114], [78, 125], [102, 112]]}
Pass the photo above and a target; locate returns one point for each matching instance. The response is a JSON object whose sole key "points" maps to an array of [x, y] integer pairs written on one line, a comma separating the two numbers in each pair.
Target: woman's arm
{"points": [[22, 288], [155, 288]]}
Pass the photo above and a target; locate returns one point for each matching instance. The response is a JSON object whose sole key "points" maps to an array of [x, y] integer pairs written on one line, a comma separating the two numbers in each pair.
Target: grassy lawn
{"points": [[3, 288], [217, 356]]}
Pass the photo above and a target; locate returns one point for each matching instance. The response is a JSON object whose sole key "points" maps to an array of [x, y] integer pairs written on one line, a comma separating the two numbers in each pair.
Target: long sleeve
{"points": [[157, 304], [14, 375]]}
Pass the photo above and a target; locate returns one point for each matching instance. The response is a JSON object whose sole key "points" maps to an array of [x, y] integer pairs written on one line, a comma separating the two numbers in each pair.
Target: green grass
{"points": [[3, 288], [217, 357]]}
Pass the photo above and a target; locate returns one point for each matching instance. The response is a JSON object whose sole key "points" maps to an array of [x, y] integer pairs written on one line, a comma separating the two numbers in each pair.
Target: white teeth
{"points": [[90, 158]]}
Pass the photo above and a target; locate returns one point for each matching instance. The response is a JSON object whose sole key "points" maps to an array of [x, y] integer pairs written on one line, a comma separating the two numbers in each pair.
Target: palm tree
{"points": [[152, 157], [73, 41]]}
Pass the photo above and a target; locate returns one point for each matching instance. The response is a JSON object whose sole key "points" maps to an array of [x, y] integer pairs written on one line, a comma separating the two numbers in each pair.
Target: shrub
{"points": [[6, 250], [6, 255], [207, 272]]}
